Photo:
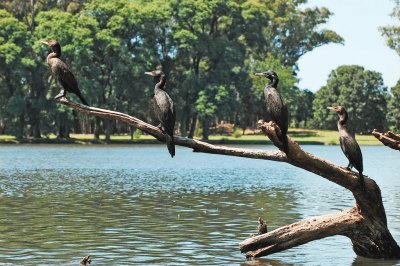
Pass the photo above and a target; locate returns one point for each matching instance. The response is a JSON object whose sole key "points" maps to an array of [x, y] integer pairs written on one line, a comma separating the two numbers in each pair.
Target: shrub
{"points": [[237, 133], [137, 134]]}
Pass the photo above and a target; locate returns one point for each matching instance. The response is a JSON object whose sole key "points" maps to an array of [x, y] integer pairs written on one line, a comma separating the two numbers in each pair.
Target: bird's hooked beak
{"points": [[45, 42], [259, 74], [332, 109], [149, 73]]}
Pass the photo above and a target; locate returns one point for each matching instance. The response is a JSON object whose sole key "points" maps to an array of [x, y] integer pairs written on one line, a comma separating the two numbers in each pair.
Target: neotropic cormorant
{"points": [[164, 109], [348, 142], [276, 109], [61, 71], [262, 226]]}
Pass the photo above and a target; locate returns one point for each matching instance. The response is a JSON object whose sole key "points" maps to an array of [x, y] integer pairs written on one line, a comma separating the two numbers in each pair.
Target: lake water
{"points": [[134, 205]]}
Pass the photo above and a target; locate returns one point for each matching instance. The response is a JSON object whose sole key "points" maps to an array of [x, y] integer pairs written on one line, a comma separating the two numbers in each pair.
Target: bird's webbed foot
{"points": [[60, 95]]}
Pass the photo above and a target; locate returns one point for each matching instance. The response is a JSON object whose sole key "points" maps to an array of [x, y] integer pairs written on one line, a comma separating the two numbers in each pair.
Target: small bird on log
{"points": [[86, 260], [61, 72], [164, 109], [262, 226], [276, 109], [348, 142]]}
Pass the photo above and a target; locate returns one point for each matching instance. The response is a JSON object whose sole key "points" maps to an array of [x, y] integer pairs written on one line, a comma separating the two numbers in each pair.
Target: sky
{"points": [[358, 22]]}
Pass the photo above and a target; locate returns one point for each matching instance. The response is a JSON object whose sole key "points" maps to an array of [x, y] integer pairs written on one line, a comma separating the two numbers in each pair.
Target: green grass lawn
{"points": [[303, 136]]}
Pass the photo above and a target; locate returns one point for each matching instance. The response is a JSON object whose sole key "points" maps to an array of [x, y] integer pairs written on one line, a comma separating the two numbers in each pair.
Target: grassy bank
{"points": [[302, 136]]}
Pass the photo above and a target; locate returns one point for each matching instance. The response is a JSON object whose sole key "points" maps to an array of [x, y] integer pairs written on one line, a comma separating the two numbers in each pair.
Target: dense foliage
{"points": [[360, 91], [392, 33], [208, 49]]}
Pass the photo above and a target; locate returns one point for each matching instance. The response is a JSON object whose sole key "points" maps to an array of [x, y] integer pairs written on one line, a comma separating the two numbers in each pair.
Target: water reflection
{"points": [[137, 206]]}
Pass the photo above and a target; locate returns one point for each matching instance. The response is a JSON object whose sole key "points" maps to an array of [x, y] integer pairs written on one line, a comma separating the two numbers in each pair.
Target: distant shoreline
{"points": [[302, 136], [154, 142]]}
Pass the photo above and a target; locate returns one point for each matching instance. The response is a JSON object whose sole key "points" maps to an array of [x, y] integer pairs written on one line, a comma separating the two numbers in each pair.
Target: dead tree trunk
{"points": [[365, 224]]}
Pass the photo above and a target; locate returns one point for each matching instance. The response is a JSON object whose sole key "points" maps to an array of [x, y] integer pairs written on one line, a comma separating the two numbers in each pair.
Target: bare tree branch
{"points": [[365, 224], [389, 139], [302, 232], [196, 145]]}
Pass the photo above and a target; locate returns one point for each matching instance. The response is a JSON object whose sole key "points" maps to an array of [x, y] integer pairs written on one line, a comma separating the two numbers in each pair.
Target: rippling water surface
{"points": [[128, 205]]}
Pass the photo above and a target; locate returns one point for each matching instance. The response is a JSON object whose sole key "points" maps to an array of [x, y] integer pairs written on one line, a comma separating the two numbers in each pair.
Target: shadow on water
{"points": [[265, 262]]}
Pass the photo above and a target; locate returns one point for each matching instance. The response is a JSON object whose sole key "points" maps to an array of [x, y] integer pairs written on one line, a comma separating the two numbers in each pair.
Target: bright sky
{"points": [[357, 21]]}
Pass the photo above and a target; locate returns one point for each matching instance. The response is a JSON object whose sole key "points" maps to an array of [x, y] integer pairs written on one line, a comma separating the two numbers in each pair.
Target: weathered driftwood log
{"points": [[365, 224], [389, 139]]}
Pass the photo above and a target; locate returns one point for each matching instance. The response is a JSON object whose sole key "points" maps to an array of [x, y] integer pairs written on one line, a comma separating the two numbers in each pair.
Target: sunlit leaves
{"points": [[392, 33]]}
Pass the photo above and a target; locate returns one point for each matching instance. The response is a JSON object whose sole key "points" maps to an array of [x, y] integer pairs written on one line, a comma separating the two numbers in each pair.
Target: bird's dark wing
{"points": [[352, 151], [62, 73], [165, 110], [276, 109]]}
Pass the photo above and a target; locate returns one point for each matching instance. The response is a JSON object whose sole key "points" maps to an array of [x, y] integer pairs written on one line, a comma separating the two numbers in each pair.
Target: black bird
{"points": [[164, 109], [61, 71], [348, 142], [276, 109]]}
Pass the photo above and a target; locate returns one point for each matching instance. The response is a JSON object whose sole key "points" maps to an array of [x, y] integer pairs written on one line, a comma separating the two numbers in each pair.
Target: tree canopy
{"points": [[208, 50], [362, 93], [392, 34]]}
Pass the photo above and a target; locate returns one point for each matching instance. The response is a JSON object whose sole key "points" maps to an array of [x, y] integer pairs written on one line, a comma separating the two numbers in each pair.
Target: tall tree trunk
{"points": [[193, 126], [97, 126], [205, 124], [21, 124], [108, 129], [36, 129], [183, 124], [76, 124]]}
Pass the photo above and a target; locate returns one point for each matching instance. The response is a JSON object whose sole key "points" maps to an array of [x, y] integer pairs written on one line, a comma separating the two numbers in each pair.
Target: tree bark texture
{"points": [[365, 224], [389, 139]]}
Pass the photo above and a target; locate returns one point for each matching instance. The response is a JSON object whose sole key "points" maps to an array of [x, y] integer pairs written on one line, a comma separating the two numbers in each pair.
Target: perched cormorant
{"points": [[262, 226], [348, 143], [164, 109], [276, 109], [61, 72]]}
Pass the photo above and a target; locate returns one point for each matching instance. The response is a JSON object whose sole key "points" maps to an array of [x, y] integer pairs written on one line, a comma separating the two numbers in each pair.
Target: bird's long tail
{"points": [[284, 139], [170, 143], [82, 99], [361, 178]]}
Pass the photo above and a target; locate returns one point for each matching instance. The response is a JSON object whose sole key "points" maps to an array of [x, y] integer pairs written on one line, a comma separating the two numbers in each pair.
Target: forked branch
{"points": [[389, 139]]}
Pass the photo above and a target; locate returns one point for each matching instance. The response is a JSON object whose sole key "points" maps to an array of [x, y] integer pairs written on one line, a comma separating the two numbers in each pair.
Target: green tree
{"points": [[285, 29], [287, 80], [14, 42], [392, 33], [394, 108], [206, 48], [304, 108], [360, 91]]}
